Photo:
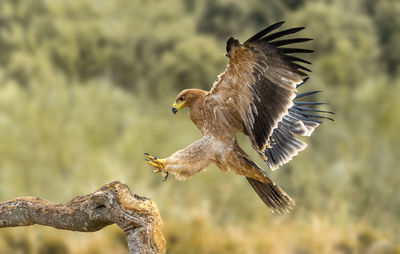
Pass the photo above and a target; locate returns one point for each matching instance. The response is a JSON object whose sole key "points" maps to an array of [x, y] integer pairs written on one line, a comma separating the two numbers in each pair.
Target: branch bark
{"points": [[113, 203]]}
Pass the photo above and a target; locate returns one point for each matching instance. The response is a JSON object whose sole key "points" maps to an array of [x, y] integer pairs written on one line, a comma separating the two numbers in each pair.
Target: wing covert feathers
{"points": [[273, 196]]}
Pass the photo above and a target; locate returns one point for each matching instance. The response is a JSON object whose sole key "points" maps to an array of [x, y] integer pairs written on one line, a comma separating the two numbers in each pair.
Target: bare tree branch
{"points": [[111, 204]]}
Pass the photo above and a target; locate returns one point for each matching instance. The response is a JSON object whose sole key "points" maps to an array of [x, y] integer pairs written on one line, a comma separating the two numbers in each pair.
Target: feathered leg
{"points": [[186, 162]]}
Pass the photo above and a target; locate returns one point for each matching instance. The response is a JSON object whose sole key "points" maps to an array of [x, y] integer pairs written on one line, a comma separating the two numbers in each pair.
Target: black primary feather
{"points": [[264, 38], [298, 66], [295, 50], [313, 109], [296, 59], [305, 114], [281, 33], [309, 103], [264, 32], [306, 94], [304, 81], [289, 41]]}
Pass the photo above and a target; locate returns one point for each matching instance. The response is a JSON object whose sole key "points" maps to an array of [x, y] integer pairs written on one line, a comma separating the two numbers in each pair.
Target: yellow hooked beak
{"points": [[177, 107]]}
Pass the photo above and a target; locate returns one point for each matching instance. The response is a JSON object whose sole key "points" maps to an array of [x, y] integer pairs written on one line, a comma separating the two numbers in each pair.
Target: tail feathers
{"points": [[273, 196]]}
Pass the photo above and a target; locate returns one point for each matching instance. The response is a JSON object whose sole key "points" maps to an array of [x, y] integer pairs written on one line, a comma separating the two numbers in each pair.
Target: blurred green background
{"points": [[86, 88]]}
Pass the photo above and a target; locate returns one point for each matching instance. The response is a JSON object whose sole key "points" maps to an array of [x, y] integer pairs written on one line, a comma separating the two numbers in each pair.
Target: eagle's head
{"points": [[187, 98]]}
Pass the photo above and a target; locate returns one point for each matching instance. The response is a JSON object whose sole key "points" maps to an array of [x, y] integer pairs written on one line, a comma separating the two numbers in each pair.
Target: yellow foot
{"points": [[159, 164]]}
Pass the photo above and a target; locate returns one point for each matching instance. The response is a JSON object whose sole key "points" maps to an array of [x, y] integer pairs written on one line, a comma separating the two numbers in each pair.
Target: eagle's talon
{"points": [[165, 174], [159, 164], [153, 164]]}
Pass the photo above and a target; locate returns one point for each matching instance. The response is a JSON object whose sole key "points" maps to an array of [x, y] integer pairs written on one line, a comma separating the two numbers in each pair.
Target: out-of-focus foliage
{"points": [[86, 88]]}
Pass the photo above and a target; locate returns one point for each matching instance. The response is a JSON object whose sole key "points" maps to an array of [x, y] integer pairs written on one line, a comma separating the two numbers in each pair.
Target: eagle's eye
{"points": [[180, 98]]}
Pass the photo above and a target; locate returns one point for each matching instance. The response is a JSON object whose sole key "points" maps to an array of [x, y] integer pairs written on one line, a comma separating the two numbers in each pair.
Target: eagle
{"points": [[255, 95]]}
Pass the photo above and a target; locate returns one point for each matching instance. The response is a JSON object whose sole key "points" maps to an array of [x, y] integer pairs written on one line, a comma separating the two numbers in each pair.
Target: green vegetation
{"points": [[86, 88]]}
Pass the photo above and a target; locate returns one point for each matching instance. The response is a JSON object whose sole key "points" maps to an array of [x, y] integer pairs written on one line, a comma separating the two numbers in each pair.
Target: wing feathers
{"points": [[296, 59], [295, 50], [306, 94], [305, 114], [303, 118], [289, 41], [286, 146], [264, 32], [308, 103], [298, 66], [280, 98], [282, 33], [314, 110], [260, 81], [304, 81], [297, 121]]}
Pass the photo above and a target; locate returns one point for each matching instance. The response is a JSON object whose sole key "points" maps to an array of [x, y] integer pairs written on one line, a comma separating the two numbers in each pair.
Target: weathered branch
{"points": [[111, 204]]}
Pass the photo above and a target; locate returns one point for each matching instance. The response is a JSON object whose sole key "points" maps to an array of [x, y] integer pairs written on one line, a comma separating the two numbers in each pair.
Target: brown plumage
{"points": [[253, 96]]}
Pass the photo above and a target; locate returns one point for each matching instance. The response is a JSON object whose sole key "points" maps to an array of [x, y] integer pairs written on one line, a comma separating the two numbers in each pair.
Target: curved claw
{"points": [[159, 164], [165, 176]]}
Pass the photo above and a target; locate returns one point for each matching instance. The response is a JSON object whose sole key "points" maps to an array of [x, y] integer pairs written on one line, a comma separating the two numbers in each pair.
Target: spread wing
{"points": [[258, 87], [259, 83]]}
